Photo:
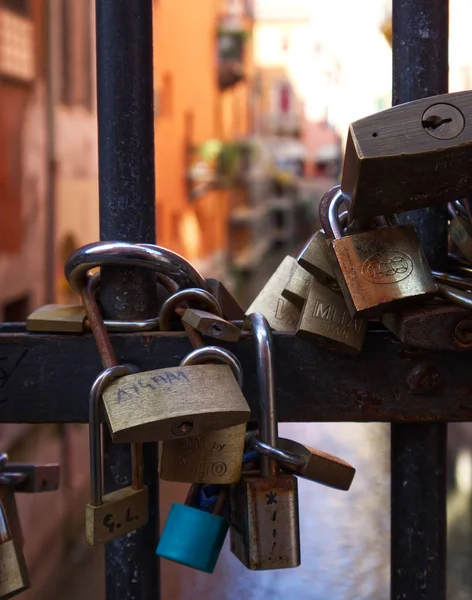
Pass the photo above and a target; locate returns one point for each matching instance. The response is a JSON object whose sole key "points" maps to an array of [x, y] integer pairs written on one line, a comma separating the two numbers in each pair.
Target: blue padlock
{"points": [[193, 536]]}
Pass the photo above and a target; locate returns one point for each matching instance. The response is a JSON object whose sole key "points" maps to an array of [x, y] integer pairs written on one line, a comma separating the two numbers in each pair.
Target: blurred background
{"points": [[252, 104]]}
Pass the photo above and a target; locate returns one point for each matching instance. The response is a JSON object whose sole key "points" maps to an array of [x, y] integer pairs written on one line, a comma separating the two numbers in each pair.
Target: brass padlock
{"points": [[308, 462], [460, 232], [378, 270], [174, 402], [211, 325], [410, 156], [297, 288], [280, 313], [215, 457], [314, 258], [112, 515], [57, 317], [14, 577], [326, 321], [264, 509]]}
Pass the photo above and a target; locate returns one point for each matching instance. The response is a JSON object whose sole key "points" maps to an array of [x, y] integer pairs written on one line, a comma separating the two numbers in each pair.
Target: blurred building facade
{"points": [[48, 203], [201, 79]]}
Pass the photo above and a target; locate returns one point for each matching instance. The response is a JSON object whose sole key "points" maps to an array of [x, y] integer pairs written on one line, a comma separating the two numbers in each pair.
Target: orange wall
{"points": [[190, 105]]}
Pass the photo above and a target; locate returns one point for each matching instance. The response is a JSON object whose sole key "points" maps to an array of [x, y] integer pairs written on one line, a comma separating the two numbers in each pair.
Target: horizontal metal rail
{"points": [[46, 378]]}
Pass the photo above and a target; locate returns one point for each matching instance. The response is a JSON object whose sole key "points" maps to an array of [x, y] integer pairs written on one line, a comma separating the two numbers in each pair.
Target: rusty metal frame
{"points": [[46, 378]]}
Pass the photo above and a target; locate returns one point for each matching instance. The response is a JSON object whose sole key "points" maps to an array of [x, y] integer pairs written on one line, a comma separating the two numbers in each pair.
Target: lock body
{"points": [[434, 164], [211, 325], [264, 522], [380, 270], [326, 321], [280, 313], [215, 457], [319, 466], [14, 577], [296, 290], [57, 317], [460, 231], [174, 402], [314, 258], [193, 537], [122, 512]]}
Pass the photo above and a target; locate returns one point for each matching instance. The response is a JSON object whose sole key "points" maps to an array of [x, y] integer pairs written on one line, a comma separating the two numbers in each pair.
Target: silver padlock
{"points": [[264, 509]]}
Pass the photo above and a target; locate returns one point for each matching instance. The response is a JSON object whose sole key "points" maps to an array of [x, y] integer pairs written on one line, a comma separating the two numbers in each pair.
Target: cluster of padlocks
{"points": [[362, 265]]}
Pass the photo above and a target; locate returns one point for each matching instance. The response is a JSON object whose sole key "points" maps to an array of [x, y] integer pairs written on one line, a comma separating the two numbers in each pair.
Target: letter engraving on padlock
{"points": [[281, 314], [174, 402], [380, 269], [14, 577], [326, 320], [212, 458]]}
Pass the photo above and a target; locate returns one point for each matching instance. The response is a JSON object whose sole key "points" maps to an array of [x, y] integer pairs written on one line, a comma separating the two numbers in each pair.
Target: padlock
{"points": [[57, 317], [378, 270], [174, 402], [298, 286], [33, 479], [215, 457], [460, 232], [315, 259], [326, 320], [264, 530], [308, 462], [193, 536], [122, 511], [230, 307], [280, 313], [14, 577], [410, 156], [211, 325]]}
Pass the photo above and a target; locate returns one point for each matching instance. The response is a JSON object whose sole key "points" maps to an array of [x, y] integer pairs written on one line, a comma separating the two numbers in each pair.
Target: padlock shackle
{"points": [[4, 528], [126, 254], [207, 354], [268, 423], [292, 458], [180, 298], [457, 296], [333, 214], [95, 434]]}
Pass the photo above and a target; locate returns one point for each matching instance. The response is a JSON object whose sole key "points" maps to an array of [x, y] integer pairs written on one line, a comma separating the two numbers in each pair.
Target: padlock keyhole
{"points": [[435, 121]]}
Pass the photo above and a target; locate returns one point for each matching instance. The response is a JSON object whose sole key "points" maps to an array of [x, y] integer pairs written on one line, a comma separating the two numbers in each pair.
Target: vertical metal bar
{"points": [[418, 451], [127, 213]]}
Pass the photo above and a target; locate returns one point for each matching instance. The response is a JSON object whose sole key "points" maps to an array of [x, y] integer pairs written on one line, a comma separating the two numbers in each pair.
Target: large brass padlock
{"points": [[174, 402], [378, 270], [280, 313], [117, 513], [410, 156], [215, 457], [14, 577], [264, 509]]}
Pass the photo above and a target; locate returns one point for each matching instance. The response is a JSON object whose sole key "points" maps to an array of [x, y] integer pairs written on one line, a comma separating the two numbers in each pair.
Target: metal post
{"points": [[418, 451], [127, 213]]}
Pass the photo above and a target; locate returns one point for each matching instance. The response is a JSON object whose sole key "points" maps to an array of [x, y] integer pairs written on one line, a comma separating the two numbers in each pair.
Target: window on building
{"points": [[17, 55], [20, 7], [76, 45], [166, 96]]}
